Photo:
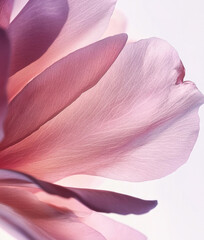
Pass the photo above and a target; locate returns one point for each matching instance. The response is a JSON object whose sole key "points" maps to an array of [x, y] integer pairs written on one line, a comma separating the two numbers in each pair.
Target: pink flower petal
{"points": [[30, 32], [86, 23], [58, 86], [117, 24], [97, 200], [5, 12], [17, 226], [111, 229], [138, 123], [4, 63], [40, 220]]}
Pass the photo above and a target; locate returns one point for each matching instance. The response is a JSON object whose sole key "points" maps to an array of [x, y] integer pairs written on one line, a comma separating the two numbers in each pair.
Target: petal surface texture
{"points": [[68, 78], [138, 123], [97, 200], [86, 23], [4, 63], [34, 30]]}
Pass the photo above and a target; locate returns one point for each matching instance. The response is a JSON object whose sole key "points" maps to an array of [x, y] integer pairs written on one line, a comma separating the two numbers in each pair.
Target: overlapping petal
{"points": [[68, 78], [17, 226], [111, 229], [4, 63], [86, 23], [118, 128], [38, 220], [97, 200], [34, 30]]}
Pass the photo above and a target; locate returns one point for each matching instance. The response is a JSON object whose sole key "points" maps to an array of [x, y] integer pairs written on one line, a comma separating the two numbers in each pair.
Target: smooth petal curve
{"points": [[4, 63], [5, 12], [42, 220], [58, 86], [129, 132], [86, 23], [30, 32], [97, 200], [111, 229]]}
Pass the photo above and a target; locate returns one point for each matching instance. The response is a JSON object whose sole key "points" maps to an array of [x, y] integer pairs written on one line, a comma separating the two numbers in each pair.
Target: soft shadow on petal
{"points": [[17, 226], [58, 86], [136, 124], [40, 220], [5, 12], [39, 20], [97, 200], [111, 229], [4, 63], [86, 23]]}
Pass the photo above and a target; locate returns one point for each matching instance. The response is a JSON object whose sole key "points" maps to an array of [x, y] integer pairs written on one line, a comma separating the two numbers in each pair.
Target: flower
{"points": [[81, 105]]}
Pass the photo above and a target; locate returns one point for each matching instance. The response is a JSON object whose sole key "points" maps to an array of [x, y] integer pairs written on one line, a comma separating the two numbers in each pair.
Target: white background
{"points": [[180, 213]]}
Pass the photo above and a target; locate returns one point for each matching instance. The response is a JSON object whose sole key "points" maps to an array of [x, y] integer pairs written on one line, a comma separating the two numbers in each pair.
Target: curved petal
{"points": [[5, 12], [111, 229], [4, 63], [86, 23], [31, 27], [97, 200], [43, 220], [58, 86], [126, 127]]}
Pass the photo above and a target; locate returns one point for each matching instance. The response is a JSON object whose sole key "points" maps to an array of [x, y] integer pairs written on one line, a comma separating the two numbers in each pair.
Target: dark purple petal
{"points": [[35, 29]]}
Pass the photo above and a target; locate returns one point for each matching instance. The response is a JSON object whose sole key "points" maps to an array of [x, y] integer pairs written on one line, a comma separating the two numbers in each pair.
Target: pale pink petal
{"points": [[86, 23], [48, 220], [97, 200], [138, 123], [5, 12], [111, 229], [58, 86], [117, 24], [34, 30], [4, 63]]}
